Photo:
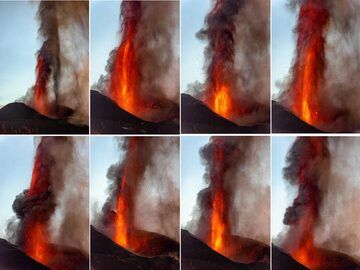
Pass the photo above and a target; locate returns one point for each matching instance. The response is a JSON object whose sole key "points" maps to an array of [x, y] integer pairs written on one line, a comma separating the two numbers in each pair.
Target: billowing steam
{"points": [[143, 189], [335, 33], [148, 84], [237, 60], [61, 87], [323, 214], [53, 212], [237, 167]]}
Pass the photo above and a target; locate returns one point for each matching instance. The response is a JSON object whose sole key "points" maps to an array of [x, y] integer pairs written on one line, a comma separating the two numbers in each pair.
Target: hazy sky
{"points": [[193, 14], [16, 162], [191, 174], [282, 194], [104, 37], [104, 152], [18, 46], [283, 41]]}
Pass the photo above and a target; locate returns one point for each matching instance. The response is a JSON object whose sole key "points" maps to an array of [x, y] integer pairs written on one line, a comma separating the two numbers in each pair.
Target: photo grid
{"points": [[179, 135]]}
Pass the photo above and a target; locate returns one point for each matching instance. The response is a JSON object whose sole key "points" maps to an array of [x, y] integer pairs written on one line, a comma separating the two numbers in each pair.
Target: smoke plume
{"points": [[243, 175], [57, 198], [237, 60], [149, 45], [150, 169], [337, 112], [61, 88], [323, 214]]}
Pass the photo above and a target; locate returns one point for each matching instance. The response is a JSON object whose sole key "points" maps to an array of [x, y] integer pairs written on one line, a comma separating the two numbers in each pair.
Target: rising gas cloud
{"points": [[61, 87], [236, 61], [143, 192], [237, 198], [148, 84]]}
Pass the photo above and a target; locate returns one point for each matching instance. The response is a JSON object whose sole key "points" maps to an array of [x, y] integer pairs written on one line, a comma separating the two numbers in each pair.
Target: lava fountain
{"points": [[43, 72], [124, 76], [220, 72], [36, 243], [309, 66], [305, 160]]}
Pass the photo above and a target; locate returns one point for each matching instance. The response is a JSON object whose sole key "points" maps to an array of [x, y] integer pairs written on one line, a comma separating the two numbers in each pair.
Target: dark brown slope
{"points": [[107, 255], [196, 117], [332, 260], [195, 255], [11, 258], [283, 261], [18, 118], [283, 121], [108, 118]]}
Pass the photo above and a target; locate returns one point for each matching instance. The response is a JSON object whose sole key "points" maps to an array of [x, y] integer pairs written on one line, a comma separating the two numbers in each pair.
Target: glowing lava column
{"points": [[310, 59], [124, 75]]}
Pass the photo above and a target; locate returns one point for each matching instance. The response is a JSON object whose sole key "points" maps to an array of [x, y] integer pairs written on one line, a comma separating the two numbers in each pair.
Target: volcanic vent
{"points": [[49, 227], [232, 214], [312, 237], [59, 96], [237, 70], [316, 89], [140, 217], [142, 72]]}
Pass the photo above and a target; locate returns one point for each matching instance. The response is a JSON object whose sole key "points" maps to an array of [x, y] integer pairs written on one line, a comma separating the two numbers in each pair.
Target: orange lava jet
{"points": [[221, 69], [310, 60], [42, 77], [36, 236], [125, 234], [304, 214], [219, 222], [123, 80]]}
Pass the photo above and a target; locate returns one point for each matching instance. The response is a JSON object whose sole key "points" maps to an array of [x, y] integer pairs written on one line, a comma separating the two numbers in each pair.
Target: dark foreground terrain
{"points": [[195, 255], [108, 118], [18, 118], [196, 117], [107, 255]]}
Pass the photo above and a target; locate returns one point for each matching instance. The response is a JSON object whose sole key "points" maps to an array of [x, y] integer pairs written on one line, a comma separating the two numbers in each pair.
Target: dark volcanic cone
{"points": [[18, 118], [332, 260], [13, 258], [283, 261], [107, 255], [196, 255], [196, 117], [108, 118]]}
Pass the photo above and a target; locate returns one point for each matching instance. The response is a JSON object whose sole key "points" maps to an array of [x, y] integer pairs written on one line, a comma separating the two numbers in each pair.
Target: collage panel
{"points": [[44, 67], [315, 66], [44, 220], [315, 203], [225, 66], [135, 67], [135, 203], [225, 203]]}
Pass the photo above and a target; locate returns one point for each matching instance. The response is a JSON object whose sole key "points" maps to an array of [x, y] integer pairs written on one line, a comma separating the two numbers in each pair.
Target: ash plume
{"points": [[244, 177], [63, 76], [57, 197], [156, 46], [237, 33], [152, 169], [341, 53], [324, 170]]}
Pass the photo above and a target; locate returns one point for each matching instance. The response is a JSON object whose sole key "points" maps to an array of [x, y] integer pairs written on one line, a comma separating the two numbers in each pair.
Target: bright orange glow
{"points": [[121, 222], [305, 250], [310, 64], [42, 77], [123, 81], [35, 243], [222, 101], [219, 226]]}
